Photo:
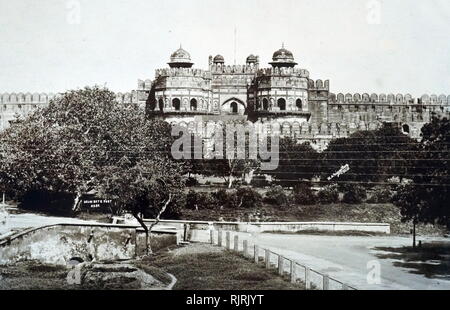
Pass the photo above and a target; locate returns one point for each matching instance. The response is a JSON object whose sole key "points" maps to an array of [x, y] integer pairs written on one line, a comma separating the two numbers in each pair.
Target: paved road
{"points": [[28, 220], [346, 258]]}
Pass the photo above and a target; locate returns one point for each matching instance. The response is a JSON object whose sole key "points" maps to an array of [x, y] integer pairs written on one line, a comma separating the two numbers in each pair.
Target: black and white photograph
{"points": [[247, 147]]}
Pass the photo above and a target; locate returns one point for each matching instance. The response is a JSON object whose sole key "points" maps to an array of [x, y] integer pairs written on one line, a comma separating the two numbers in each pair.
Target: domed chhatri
{"points": [[219, 59], [252, 59], [180, 59], [283, 58]]}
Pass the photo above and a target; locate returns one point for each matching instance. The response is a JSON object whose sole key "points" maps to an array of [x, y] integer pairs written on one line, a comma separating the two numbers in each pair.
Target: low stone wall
{"points": [[57, 244], [197, 230]]}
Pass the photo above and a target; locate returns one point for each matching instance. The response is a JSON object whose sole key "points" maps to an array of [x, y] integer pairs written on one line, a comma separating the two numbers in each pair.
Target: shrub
{"points": [[329, 194], [245, 197], [48, 202], [276, 196], [259, 181], [191, 182], [381, 195], [303, 194], [222, 198], [354, 194], [198, 201]]}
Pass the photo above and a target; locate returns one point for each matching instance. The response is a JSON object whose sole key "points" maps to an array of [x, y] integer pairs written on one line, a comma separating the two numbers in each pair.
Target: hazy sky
{"points": [[47, 46]]}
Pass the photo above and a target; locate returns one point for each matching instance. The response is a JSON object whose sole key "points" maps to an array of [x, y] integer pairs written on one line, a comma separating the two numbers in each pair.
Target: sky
{"points": [[374, 46]]}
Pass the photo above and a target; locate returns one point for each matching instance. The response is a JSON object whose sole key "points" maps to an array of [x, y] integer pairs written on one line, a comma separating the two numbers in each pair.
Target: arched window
{"points": [[405, 128], [193, 105], [282, 104], [161, 104], [234, 108], [176, 104], [298, 104], [265, 104]]}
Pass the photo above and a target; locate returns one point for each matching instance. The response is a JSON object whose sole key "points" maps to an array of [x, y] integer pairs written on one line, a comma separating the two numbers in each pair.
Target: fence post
{"points": [[293, 278], [307, 278], [211, 235], [326, 283], [256, 256], [245, 246], [219, 238], [227, 240], [236, 243], [267, 259], [280, 265]]}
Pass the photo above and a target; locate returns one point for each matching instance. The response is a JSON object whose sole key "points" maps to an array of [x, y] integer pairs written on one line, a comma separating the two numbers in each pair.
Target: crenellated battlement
{"points": [[318, 85], [284, 71], [398, 99], [182, 72], [235, 69], [26, 98]]}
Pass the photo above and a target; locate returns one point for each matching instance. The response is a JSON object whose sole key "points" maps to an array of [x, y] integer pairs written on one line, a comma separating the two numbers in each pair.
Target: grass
{"points": [[219, 270]]}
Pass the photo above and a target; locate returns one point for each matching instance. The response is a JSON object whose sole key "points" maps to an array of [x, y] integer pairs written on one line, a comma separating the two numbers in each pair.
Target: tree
{"points": [[227, 164], [297, 162], [373, 156], [425, 199], [85, 140]]}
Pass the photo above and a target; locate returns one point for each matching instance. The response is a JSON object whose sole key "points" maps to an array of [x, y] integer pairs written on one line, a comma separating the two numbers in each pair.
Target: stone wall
{"points": [[59, 243]]}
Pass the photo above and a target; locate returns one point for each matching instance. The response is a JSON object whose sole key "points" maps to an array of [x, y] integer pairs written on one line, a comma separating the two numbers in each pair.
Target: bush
{"points": [[354, 194], [245, 197], [303, 194], [191, 182], [381, 195], [259, 181], [329, 194], [48, 202], [199, 201], [222, 198], [276, 196]]}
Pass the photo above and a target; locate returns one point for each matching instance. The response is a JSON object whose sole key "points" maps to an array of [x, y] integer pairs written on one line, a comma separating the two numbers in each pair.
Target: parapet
{"points": [[26, 98], [284, 71], [169, 72], [389, 99]]}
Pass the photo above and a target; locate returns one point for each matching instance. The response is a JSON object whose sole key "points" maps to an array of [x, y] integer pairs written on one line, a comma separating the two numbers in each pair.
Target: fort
{"points": [[281, 99]]}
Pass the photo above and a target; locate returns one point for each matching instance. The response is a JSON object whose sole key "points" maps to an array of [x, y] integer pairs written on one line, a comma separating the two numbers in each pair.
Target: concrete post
{"points": [[307, 278], [280, 265], [236, 243], [267, 259], [245, 248], [292, 272], [227, 240], [326, 283], [256, 256], [211, 235], [219, 238]]}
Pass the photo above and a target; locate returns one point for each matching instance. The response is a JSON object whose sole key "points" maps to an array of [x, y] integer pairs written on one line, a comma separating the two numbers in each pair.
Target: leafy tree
{"points": [[85, 140], [425, 199], [373, 156], [296, 162], [226, 163]]}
